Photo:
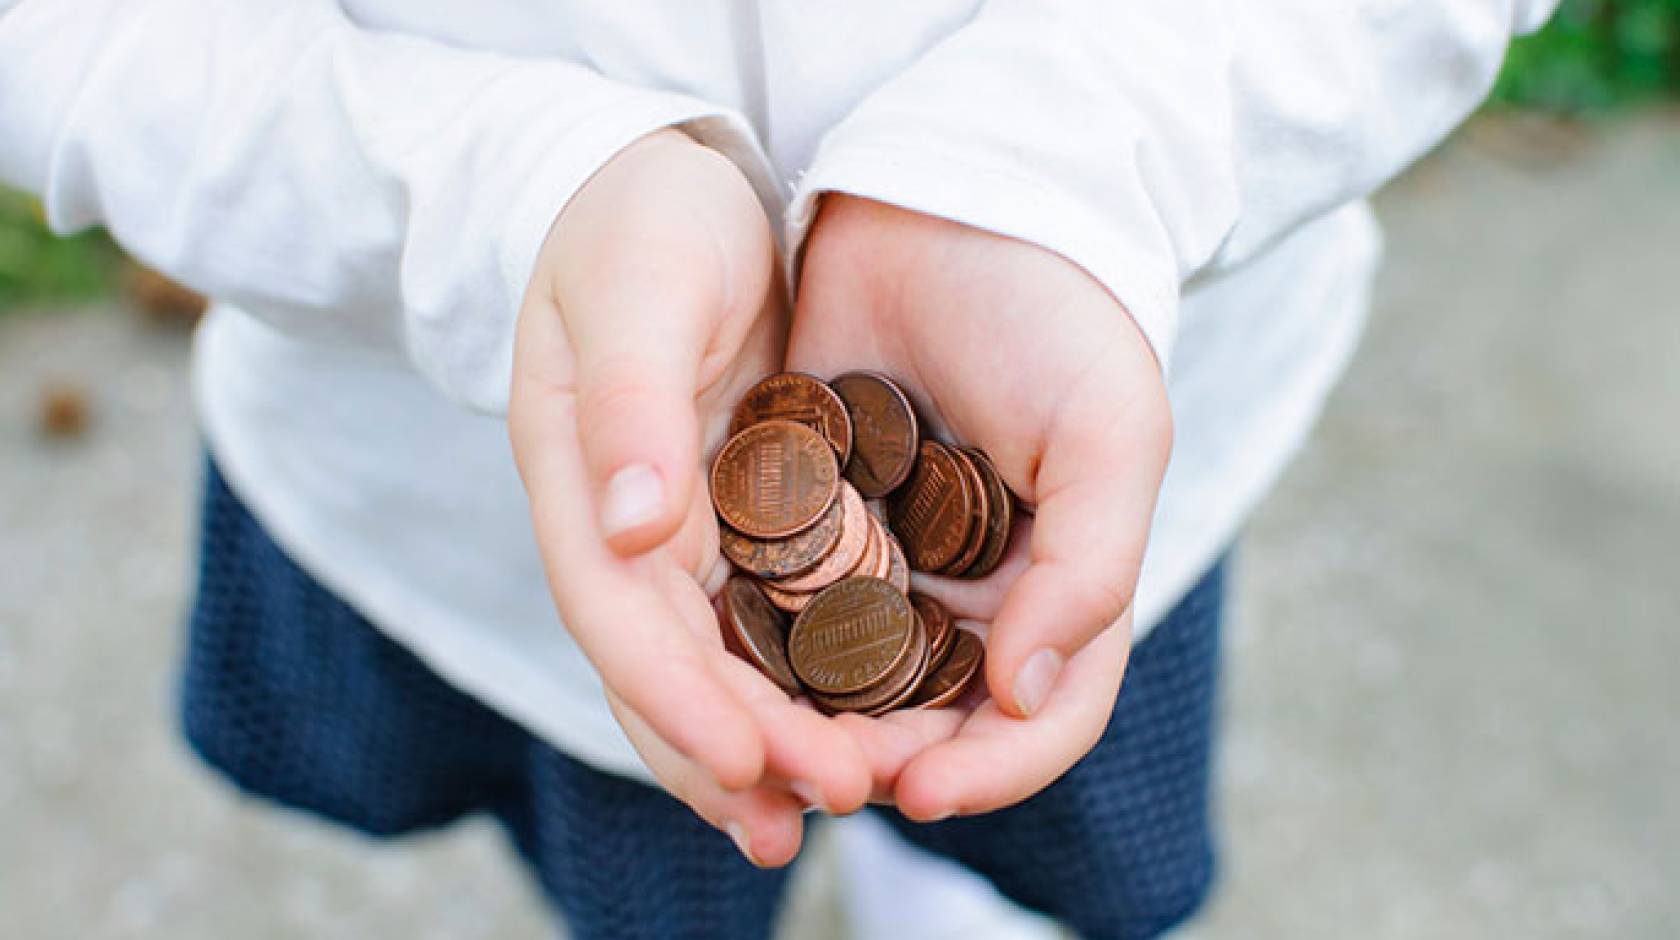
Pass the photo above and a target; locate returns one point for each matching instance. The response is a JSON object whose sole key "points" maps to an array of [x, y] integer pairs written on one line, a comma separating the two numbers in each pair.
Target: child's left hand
{"points": [[1016, 350]]}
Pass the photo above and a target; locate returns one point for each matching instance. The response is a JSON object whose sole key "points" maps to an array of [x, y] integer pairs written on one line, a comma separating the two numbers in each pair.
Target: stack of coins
{"points": [[815, 488]]}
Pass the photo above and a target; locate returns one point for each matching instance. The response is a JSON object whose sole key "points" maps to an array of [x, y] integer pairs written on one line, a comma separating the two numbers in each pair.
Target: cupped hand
{"points": [[1014, 349], [653, 305]]}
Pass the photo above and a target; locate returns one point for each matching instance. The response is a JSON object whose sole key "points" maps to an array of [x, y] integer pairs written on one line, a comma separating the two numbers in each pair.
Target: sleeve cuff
{"points": [[545, 194], [922, 178]]}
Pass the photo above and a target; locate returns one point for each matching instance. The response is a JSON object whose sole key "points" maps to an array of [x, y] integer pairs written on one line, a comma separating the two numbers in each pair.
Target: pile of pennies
{"points": [[829, 496]]}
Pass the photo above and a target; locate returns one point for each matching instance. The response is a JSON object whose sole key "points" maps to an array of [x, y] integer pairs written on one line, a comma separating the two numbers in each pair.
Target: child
{"points": [[430, 224]]}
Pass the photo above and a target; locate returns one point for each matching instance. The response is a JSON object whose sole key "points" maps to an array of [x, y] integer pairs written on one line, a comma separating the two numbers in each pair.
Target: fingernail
{"points": [[634, 497], [738, 833], [1034, 681], [808, 794]]}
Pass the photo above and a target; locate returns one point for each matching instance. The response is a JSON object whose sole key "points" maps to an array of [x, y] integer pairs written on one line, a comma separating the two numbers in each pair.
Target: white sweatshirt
{"points": [[363, 186]]}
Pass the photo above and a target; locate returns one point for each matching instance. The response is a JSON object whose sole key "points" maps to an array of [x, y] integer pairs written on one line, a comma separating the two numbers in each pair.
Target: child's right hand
{"points": [[653, 306]]}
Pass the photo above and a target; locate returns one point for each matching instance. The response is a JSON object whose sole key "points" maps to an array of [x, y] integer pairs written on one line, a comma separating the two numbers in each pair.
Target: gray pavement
{"points": [[1449, 711]]}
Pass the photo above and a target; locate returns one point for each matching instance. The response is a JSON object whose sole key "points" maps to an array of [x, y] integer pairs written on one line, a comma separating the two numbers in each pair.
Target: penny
{"points": [[854, 542], [979, 507], [923, 666], [941, 627], [884, 432], [883, 555], [898, 567], [791, 602], [754, 632], [851, 636], [871, 560], [894, 687], [931, 512], [879, 562], [949, 680], [795, 396], [774, 480], [785, 558], [998, 520]]}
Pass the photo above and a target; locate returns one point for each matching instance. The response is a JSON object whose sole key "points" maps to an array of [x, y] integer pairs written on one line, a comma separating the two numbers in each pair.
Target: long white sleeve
{"points": [[1152, 140], [333, 180]]}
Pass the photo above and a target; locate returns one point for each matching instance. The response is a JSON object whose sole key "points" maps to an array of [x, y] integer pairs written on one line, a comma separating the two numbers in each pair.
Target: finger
{"points": [[890, 742], [764, 822], [996, 760], [666, 274], [817, 759], [627, 623], [1095, 492], [811, 756], [637, 332]]}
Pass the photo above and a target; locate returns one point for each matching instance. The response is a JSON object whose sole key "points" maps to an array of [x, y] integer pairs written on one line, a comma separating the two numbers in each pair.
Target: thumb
{"points": [[637, 351]]}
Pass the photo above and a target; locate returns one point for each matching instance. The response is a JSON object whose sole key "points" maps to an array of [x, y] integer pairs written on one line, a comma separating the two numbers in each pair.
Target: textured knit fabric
{"points": [[297, 698], [1121, 846]]}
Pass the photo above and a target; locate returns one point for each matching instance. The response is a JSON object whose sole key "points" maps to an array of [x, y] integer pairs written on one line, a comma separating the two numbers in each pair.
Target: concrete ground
{"points": [[1450, 712]]}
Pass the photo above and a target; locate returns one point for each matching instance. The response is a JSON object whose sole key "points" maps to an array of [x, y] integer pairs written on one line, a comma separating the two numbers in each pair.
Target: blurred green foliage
{"points": [[1593, 56], [36, 265]]}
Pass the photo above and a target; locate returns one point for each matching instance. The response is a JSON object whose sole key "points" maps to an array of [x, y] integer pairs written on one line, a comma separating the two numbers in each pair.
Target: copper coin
{"points": [[902, 699], [878, 564], [941, 626], [774, 480], [851, 636], [787, 601], [884, 432], [871, 560], [894, 687], [1000, 517], [795, 396], [931, 512], [837, 564], [883, 555], [898, 567], [974, 538], [947, 681], [785, 558], [755, 632]]}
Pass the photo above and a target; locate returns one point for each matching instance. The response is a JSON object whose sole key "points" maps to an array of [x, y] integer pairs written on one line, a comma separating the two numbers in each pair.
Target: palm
{"points": [[1010, 348]]}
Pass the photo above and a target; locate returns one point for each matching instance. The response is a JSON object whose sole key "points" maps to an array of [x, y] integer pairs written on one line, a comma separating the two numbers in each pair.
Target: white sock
{"points": [[890, 888]]}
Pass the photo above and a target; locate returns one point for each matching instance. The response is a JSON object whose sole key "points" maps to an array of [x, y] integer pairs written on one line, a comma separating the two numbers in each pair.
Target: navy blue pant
{"points": [[295, 697]]}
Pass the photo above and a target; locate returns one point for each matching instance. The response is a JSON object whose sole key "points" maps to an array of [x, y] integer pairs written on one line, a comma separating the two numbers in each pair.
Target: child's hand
{"points": [[1016, 350], [653, 306]]}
